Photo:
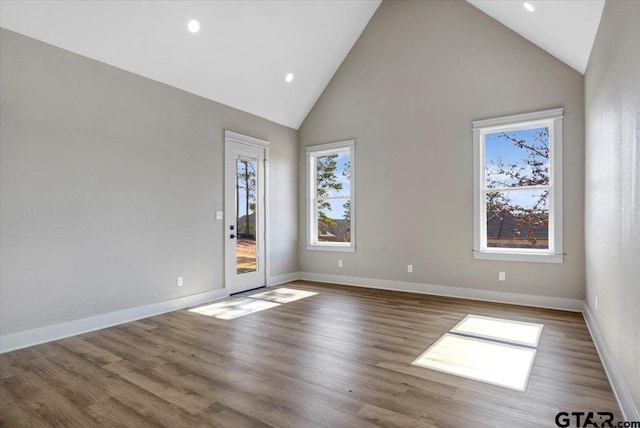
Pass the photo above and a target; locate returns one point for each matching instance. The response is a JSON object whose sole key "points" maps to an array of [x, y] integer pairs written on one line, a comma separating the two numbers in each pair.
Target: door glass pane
{"points": [[246, 221]]}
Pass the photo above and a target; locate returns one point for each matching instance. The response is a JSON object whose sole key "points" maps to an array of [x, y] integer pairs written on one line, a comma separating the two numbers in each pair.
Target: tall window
{"points": [[518, 187], [330, 201]]}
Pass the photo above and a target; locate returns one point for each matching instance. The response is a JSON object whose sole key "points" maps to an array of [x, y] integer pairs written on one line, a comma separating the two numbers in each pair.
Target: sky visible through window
{"points": [[337, 210], [497, 146], [500, 150], [518, 163]]}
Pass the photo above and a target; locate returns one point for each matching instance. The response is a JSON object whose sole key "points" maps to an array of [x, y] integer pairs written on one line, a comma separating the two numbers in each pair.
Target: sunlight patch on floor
{"points": [[234, 308], [283, 295], [496, 363], [242, 306], [514, 332], [491, 350]]}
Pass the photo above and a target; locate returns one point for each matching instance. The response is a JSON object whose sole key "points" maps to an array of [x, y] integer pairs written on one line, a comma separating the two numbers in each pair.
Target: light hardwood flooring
{"points": [[341, 358]]}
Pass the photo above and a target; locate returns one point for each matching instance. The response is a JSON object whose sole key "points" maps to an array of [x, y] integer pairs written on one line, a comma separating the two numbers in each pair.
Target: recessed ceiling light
{"points": [[193, 26], [529, 6], [289, 77]]}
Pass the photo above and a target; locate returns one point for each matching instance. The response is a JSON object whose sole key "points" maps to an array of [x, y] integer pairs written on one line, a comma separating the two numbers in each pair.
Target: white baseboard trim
{"points": [[562, 303], [24, 339], [282, 279], [623, 395]]}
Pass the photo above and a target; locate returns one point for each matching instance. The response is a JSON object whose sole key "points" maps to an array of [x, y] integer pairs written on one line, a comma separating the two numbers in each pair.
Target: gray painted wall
{"points": [[407, 92], [109, 187], [612, 209]]}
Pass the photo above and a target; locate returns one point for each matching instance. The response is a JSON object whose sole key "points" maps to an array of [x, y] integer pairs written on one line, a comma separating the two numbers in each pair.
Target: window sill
{"points": [[337, 248], [518, 257]]}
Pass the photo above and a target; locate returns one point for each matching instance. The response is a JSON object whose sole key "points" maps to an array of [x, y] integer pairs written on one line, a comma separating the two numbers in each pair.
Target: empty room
{"points": [[322, 213]]}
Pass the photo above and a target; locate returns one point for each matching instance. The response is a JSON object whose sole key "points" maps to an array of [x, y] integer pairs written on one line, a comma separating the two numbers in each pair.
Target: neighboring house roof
{"points": [[506, 226], [340, 230]]}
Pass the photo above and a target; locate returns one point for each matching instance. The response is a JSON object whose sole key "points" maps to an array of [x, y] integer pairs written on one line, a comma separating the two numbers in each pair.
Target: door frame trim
{"points": [[236, 137]]}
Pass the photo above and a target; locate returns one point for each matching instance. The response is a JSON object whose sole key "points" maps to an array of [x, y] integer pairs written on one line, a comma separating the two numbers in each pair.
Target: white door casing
{"points": [[245, 212]]}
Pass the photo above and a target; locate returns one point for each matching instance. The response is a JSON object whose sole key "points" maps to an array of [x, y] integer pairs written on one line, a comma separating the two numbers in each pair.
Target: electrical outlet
{"points": [[596, 303], [502, 276], [339, 263], [179, 282], [219, 215], [410, 268]]}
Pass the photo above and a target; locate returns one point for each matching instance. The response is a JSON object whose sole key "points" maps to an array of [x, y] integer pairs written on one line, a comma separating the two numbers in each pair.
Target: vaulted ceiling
{"points": [[564, 28], [240, 56], [244, 49]]}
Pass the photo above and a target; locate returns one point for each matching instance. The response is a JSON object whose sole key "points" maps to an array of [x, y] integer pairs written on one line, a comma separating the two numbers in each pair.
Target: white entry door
{"points": [[244, 212]]}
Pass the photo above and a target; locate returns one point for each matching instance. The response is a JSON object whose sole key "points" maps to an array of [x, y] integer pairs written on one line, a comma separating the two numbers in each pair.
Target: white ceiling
{"points": [[245, 48], [564, 28], [239, 58]]}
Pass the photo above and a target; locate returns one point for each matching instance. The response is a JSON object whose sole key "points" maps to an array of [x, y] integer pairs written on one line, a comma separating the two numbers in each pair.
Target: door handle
{"points": [[232, 236]]}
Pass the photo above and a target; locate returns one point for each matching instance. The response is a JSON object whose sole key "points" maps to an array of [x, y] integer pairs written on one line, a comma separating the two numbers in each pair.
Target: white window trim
{"points": [[552, 119], [311, 153]]}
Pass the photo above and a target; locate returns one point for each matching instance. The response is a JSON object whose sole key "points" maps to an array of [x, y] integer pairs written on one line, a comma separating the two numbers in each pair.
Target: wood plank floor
{"points": [[341, 358]]}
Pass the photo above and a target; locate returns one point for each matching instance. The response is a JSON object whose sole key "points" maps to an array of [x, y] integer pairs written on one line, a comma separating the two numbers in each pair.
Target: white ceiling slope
{"points": [[245, 48], [239, 58], [564, 28]]}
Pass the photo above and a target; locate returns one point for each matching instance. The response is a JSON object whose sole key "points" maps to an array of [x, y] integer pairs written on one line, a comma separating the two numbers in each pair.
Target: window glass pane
{"points": [[517, 158], [334, 220], [246, 221], [333, 174], [518, 219]]}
